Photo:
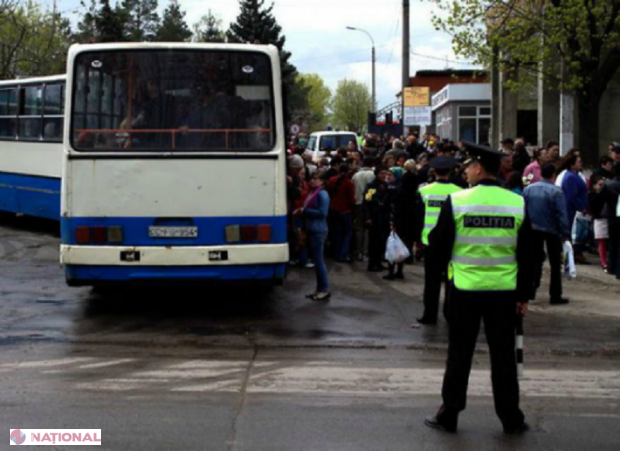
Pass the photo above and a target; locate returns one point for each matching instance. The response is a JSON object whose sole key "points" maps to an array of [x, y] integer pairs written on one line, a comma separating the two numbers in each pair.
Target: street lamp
{"points": [[374, 98]]}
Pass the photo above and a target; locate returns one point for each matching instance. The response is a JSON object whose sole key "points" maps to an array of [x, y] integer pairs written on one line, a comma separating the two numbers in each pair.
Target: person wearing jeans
{"points": [[314, 212], [546, 207]]}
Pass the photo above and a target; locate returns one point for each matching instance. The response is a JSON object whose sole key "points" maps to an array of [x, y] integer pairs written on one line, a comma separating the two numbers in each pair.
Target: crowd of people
{"points": [[345, 205]]}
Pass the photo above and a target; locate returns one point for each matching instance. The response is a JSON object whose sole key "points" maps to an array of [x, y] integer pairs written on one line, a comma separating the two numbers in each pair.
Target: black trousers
{"points": [[499, 316], [553, 243], [434, 275], [377, 238], [613, 256]]}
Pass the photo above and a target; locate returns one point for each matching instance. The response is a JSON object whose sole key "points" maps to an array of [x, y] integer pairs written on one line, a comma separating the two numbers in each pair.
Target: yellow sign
{"points": [[421, 96], [418, 96]]}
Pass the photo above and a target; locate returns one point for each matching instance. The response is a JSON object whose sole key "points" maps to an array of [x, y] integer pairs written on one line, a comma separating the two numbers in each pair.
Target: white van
{"points": [[320, 142]]}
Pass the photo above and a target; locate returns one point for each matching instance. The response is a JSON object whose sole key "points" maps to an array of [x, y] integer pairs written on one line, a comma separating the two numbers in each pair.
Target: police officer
{"points": [[484, 233], [431, 199]]}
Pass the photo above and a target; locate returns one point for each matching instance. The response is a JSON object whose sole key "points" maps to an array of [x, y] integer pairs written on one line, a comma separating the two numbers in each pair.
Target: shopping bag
{"points": [[395, 249], [570, 271], [581, 228]]}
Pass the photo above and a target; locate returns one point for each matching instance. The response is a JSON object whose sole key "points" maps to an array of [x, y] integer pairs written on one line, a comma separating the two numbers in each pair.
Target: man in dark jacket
{"points": [[611, 194], [378, 201]]}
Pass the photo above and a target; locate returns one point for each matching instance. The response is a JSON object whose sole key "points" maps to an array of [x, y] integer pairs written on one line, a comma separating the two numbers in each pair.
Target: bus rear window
{"points": [[173, 100]]}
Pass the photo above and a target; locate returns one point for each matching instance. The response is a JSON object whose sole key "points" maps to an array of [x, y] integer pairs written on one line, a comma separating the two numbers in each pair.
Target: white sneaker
{"points": [[309, 265]]}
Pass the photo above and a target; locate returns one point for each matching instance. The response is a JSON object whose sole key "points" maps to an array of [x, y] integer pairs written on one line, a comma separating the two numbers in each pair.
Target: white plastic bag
{"points": [[395, 250], [570, 271]]}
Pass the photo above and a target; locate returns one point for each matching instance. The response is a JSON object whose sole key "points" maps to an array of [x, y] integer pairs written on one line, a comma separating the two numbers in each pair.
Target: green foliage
{"points": [[350, 105], [142, 20], [110, 23], [87, 27], [256, 24], [317, 114], [33, 41], [173, 27], [534, 36], [209, 29]]}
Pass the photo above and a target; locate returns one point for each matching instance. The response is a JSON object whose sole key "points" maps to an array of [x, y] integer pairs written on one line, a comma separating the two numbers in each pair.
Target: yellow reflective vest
{"points": [[433, 196], [484, 256]]}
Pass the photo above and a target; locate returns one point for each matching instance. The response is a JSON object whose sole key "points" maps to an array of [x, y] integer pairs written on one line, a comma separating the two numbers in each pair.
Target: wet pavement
{"points": [[222, 368]]}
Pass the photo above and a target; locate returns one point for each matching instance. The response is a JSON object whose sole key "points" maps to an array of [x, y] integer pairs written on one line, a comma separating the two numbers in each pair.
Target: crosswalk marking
{"points": [[311, 378]]}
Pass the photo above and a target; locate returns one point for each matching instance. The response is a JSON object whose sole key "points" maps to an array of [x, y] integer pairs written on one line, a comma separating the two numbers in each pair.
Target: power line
{"points": [[463, 63]]}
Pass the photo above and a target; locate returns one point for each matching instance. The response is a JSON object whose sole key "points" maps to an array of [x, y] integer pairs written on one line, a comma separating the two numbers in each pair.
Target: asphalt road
{"points": [[223, 369]]}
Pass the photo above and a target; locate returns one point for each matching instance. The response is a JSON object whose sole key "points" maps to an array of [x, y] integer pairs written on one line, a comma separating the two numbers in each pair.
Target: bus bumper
{"points": [[98, 265]]}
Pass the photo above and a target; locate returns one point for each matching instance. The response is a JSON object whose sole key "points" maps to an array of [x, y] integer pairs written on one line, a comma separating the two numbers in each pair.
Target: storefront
{"points": [[462, 112]]}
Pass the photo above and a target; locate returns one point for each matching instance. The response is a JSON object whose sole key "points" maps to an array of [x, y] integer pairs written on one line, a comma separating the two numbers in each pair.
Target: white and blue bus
{"points": [[31, 126], [172, 161]]}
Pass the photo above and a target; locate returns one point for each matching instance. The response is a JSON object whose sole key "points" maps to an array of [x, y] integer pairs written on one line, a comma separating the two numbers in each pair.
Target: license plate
{"points": [[173, 232]]}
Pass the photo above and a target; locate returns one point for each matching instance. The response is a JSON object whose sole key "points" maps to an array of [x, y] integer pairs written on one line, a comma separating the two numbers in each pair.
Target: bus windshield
{"points": [[172, 100]]}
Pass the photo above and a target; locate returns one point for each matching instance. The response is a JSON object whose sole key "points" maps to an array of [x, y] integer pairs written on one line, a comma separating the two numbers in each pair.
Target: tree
{"points": [[142, 19], [350, 105], [316, 116], [209, 29], [110, 23], [256, 24], [173, 27], [574, 44], [87, 26], [33, 41]]}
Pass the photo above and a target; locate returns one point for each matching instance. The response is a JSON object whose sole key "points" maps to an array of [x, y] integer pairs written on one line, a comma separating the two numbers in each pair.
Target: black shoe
{"points": [[559, 301], [427, 321], [523, 427], [389, 277], [440, 424], [399, 276]]}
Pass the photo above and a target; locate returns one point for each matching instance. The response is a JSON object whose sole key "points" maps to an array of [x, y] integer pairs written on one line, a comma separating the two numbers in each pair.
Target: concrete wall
{"points": [[610, 115]]}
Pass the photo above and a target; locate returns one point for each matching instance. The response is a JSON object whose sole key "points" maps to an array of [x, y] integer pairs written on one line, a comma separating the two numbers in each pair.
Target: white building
{"points": [[463, 112]]}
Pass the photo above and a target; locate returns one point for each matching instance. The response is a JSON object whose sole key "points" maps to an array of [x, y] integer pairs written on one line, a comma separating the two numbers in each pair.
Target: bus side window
{"points": [[30, 112], [53, 107], [8, 110]]}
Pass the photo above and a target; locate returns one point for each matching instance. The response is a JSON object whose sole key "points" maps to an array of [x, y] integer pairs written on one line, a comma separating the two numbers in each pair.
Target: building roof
{"points": [[452, 73]]}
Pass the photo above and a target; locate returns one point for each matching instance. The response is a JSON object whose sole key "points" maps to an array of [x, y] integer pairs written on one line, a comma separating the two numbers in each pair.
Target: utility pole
{"points": [[405, 74], [373, 106]]}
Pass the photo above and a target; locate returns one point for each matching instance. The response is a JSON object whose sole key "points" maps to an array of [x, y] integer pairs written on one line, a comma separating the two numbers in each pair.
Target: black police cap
{"points": [[442, 163], [476, 152]]}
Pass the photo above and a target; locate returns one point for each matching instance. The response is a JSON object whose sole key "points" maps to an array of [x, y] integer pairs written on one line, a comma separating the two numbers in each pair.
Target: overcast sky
{"points": [[316, 36]]}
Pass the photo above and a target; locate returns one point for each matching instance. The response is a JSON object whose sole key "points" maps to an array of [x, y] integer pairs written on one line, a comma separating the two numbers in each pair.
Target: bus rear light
{"points": [[233, 234], [264, 233], [248, 233], [115, 234], [82, 235], [99, 235]]}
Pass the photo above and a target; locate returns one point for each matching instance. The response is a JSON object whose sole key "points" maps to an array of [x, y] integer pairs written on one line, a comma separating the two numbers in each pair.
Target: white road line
{"points": [[47, 363], [105, 364]]}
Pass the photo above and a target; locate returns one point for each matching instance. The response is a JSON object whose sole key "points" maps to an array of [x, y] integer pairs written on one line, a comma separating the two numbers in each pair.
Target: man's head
{"points": [[606, 163], [295, 163], [548, 171], [369, 162], [442, 166], [335, 162], [483, 163], [508, 144]]}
